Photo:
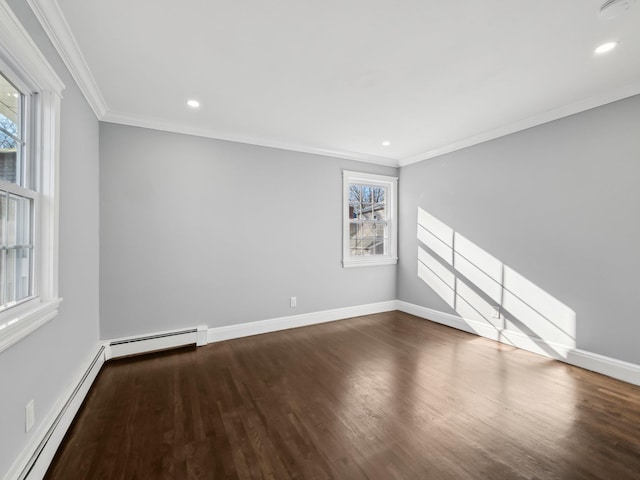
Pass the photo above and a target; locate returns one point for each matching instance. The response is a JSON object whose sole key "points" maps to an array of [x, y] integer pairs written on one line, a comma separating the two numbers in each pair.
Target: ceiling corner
{"points": [[57, 29], [566, 110]]}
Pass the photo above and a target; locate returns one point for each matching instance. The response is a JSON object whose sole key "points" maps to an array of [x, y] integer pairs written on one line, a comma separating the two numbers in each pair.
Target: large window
{"points": [[29, 129], [369, 223]]}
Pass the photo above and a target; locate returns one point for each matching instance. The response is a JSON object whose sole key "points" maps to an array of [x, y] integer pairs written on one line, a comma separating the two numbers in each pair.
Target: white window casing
{"points": [[389, 256], [28, 68]]}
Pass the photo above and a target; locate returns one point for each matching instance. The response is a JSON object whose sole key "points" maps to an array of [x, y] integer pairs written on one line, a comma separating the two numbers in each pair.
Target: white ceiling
{"points": [[341, 76]]}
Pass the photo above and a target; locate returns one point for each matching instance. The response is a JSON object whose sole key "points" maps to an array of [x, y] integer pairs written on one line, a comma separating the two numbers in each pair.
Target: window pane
{"points": [[3, 215], [23, 273], [366, 193], [3, 279], [355, 200], [368, 244], [10, 132], [355, 238], [380, 246], [18, 221], [10, 274], [380, 212], [17, 254], [379, 195], [16, 278]]}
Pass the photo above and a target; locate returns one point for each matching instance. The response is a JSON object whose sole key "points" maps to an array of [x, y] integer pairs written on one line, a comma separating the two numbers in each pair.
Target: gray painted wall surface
{"points": [[44, 364], [200, 231], [559, 204]]}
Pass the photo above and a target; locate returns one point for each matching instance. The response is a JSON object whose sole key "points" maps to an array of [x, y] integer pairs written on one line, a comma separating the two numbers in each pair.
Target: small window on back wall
{"points": [[369, 219]]}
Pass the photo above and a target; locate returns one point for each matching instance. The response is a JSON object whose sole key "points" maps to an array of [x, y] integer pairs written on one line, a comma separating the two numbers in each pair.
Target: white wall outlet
{"points": [[495, 311], [293, 301], [29, 415]]}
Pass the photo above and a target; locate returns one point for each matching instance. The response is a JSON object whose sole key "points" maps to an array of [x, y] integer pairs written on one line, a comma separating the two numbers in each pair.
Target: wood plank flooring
{"points": [[385, 396]]}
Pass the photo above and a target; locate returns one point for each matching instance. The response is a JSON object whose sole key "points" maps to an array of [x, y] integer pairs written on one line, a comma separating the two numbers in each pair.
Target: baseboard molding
{"points": [[621, 370], [36, 457], [259, 327], [141, 344]]}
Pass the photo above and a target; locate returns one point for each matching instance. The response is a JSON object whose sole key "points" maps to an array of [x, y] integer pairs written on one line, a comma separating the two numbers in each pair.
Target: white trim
{"points": [[621, 370], [175, 127], [43, 444], [25, 319], [23, 59], [22, 54], [152, 342], [48, 161], [202, 336], [533, 121], [57, 29], [371, 261], [391, 184], [219, 334], [612, 367]]}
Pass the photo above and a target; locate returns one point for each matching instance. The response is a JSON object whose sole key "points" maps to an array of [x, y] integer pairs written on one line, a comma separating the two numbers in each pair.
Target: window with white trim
{"points": [[30, 93], [369, 219], [17, 199]]}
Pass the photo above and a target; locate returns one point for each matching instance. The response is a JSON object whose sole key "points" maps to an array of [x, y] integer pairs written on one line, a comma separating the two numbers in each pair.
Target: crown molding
{"points": [[533, 121], [175, 127], [57, 29], [23, 55]]}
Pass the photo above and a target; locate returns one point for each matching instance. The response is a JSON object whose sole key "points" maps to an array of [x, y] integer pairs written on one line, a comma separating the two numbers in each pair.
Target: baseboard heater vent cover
{"points": [[152, 343]]}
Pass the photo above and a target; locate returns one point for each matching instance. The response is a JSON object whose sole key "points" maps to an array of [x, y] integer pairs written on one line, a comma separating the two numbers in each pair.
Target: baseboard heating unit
{"points": [[160, 341]]}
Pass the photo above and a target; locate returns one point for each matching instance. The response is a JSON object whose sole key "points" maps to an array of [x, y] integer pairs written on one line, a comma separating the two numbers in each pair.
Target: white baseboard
{"points": [[218, 334], [621, 370], [612, 367], [35, 458]]}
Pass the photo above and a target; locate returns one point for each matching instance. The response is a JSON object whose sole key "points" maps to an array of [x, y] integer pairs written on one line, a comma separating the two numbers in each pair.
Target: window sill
{"points": [[369, 262], [21, 320]]}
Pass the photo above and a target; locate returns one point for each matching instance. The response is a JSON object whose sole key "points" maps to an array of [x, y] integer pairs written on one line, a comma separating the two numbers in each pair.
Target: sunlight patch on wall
{"points": [[478, 286], [438, 277]]}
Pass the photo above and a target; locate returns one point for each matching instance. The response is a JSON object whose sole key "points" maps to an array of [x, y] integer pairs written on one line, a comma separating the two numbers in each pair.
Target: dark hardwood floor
{"points": [[386, 396]]}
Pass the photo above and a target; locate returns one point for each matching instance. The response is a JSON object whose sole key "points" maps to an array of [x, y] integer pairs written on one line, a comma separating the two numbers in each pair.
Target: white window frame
{"points": [[391, 184], [22, 62]]}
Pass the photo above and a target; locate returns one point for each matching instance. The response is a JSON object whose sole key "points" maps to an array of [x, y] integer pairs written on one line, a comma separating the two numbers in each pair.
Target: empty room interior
{"points": [[319, 240]]}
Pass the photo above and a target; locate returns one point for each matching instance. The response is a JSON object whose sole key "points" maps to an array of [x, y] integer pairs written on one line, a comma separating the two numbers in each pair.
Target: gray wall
{"points": [[200, 231], [558, 203], [44, 364]]}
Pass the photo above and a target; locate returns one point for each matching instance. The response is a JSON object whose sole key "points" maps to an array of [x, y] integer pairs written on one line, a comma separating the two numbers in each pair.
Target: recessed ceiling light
{"points": [[605, 47], [193, 103], [386, 143]]}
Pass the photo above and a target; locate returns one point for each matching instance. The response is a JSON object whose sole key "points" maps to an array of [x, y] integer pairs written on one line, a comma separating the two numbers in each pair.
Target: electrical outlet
{"points": [[495, 311], [29, 415], [293, 302]]}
